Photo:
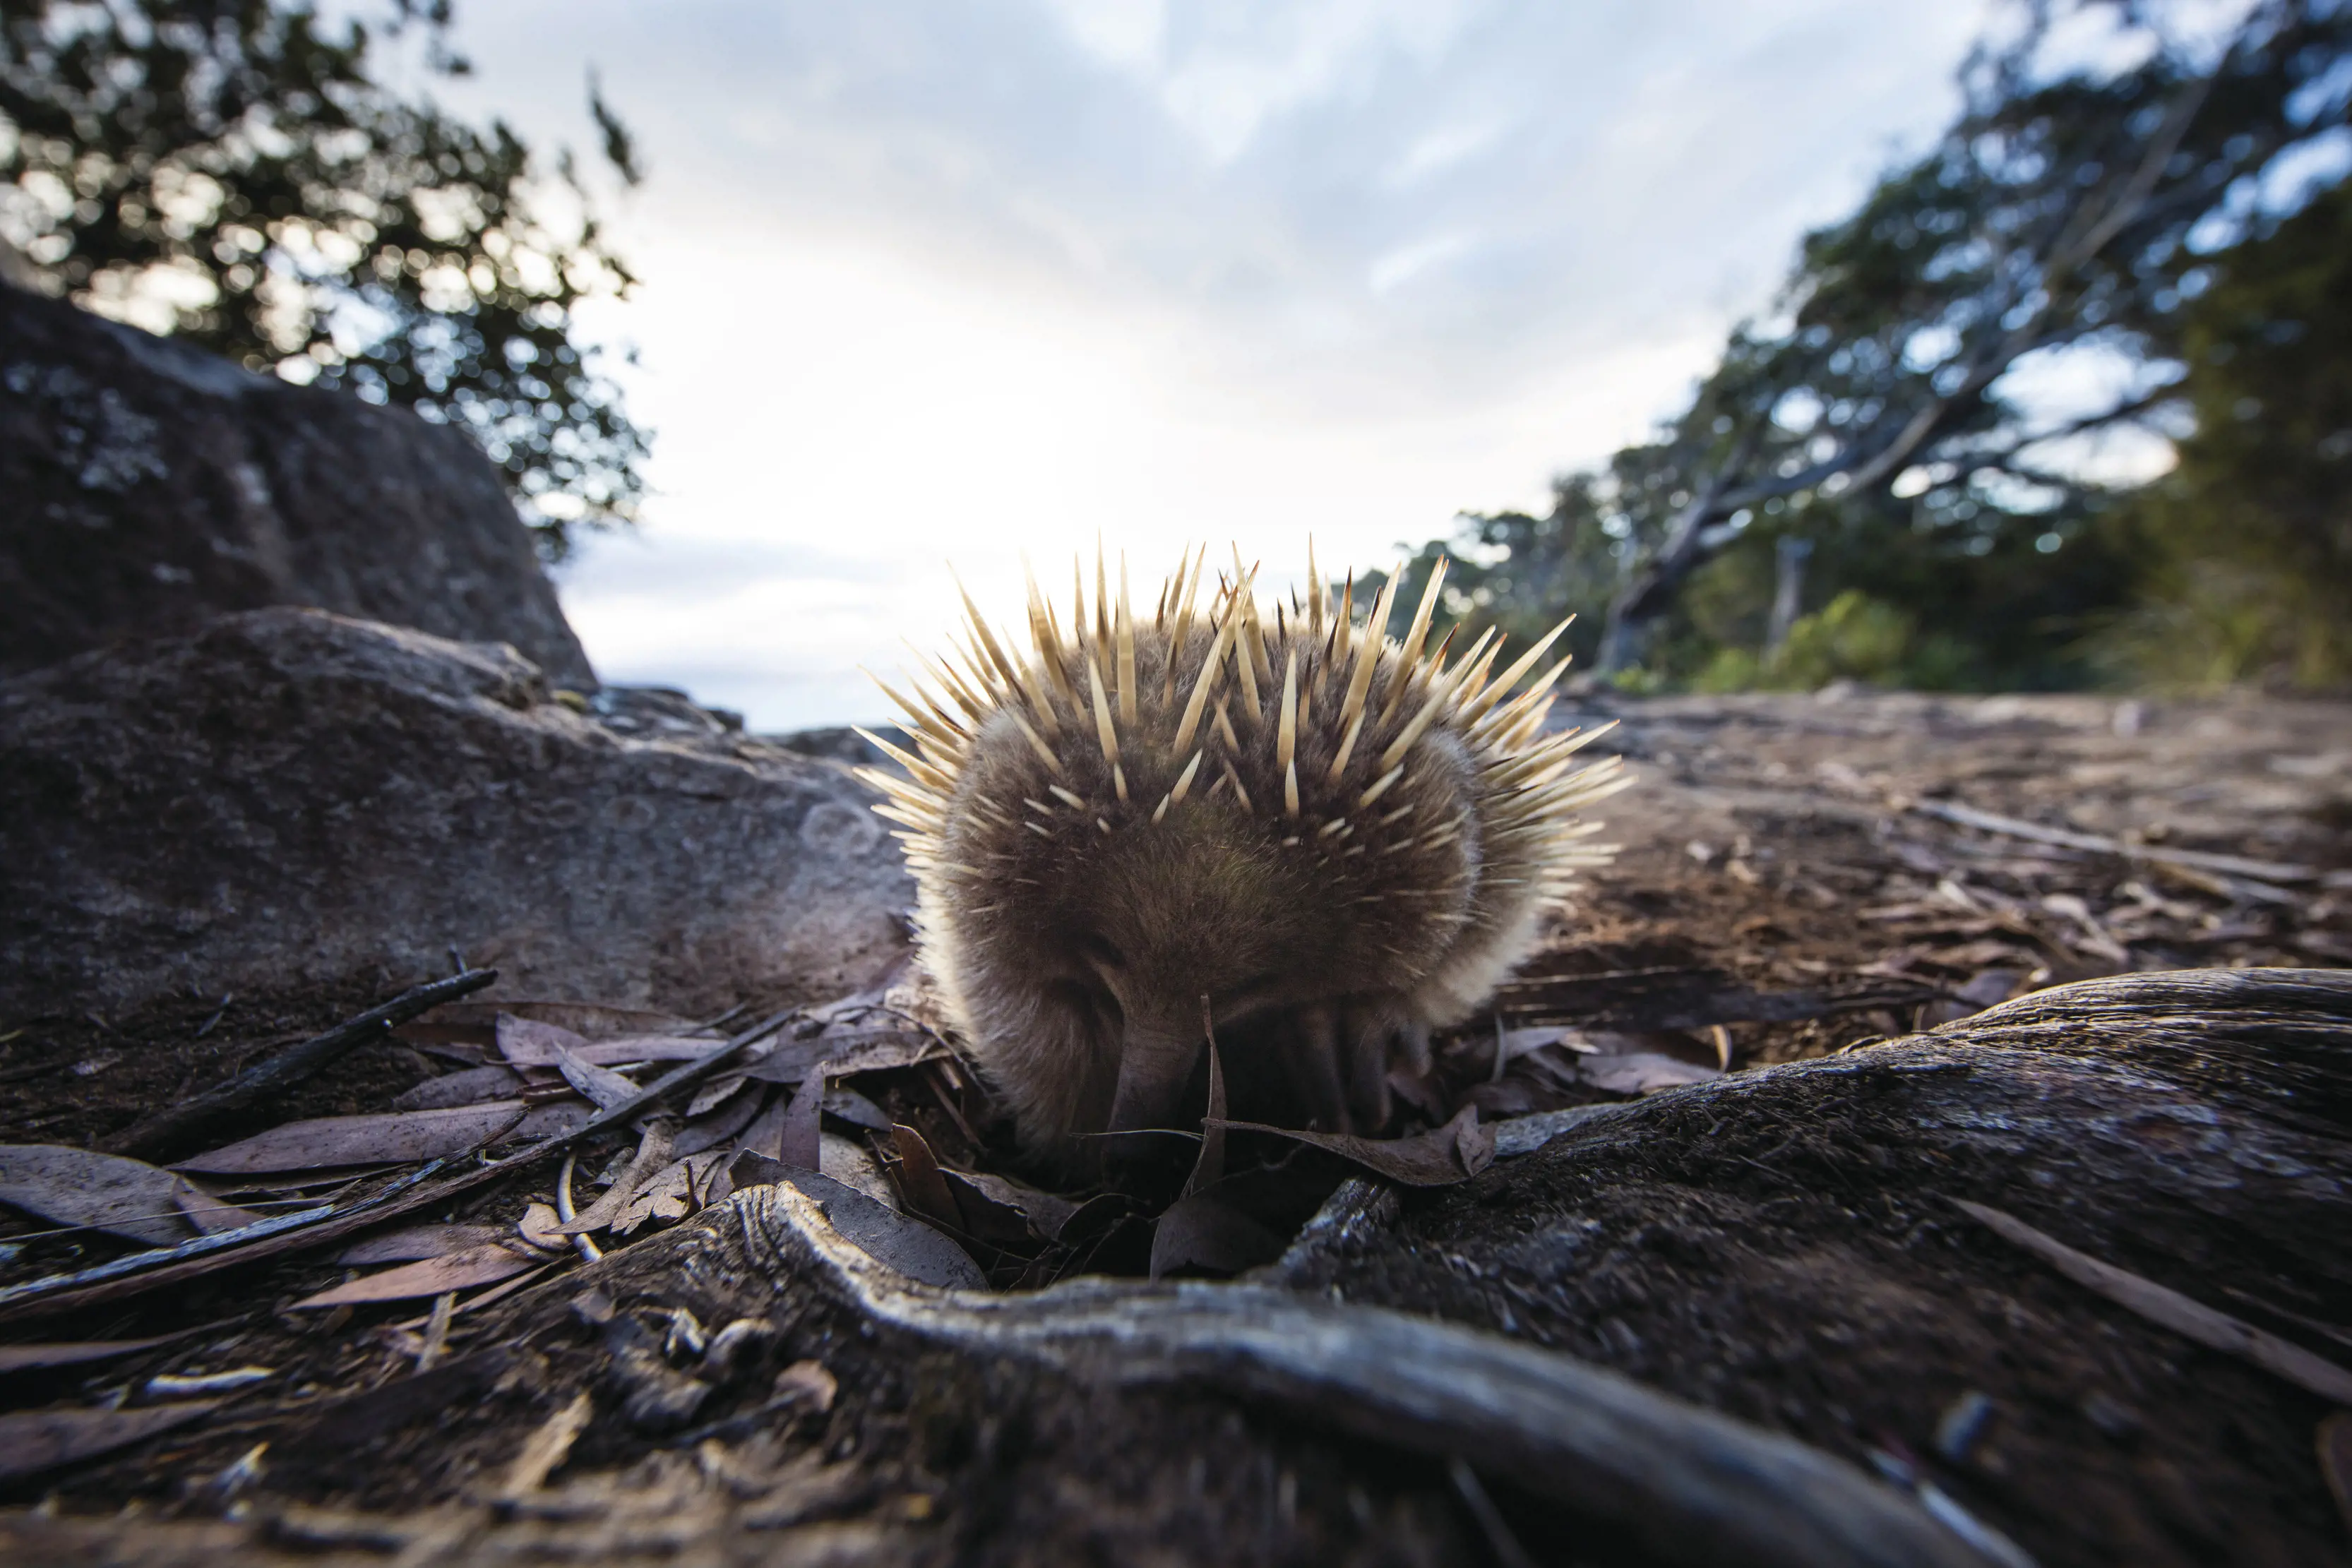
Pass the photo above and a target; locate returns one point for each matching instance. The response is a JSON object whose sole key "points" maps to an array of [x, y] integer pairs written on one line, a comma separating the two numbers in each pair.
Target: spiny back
{"points": [[1209, 808]]}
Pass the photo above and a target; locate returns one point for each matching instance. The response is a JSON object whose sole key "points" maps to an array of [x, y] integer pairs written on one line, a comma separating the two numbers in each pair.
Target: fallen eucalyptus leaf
{"points": [[1439, 1157], [390, 1138], [485, 1265], [103, 1192]]}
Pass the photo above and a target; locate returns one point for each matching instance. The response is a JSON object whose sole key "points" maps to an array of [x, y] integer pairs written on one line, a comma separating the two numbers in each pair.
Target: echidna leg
{"points": [[1155, 1063], [1315, 1069]]}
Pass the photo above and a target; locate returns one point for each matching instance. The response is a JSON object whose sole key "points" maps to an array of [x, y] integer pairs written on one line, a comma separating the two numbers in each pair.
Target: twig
{"points": [[2169, 1309], [2229, 865], [159, 1133], [145, 1272]]}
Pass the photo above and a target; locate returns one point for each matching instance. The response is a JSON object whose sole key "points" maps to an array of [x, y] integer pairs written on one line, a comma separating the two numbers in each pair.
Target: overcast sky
{"points": [[929, 283]]}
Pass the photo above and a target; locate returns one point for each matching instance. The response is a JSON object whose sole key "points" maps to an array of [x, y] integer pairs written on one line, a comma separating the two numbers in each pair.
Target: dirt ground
{"points": [[1791, 881]]}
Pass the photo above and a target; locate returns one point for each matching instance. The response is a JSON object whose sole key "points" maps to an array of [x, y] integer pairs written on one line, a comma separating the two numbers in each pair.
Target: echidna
{"points": [[1319, 841]]}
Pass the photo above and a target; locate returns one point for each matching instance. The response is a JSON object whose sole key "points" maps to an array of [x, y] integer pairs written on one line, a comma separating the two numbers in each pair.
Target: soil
{"points": [[1779, 893]]}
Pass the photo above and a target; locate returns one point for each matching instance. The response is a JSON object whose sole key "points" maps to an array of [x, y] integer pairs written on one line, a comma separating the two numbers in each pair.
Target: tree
{"points": [[233, 171], [2247, 544], [1871, 415]]}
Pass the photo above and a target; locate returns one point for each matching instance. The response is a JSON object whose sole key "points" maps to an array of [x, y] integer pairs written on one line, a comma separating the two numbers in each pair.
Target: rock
{"points": [[288, 797], [152, 486]]}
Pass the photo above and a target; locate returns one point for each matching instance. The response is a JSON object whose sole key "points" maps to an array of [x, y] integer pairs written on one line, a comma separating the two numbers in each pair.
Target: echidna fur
{"points": [[1317, 841]]}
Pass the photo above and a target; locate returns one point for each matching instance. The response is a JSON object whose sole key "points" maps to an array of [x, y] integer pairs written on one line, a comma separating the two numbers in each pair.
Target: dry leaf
{"points": [[719, 1127], [470, 1087], [600, 1086], [593, 1021], [32, 1441], [653, 1155], [208, 1214], [1641, 1071], [920, 1184], [1203, 1231], [40, 1357], [801, 1143], [390, 1138], [526, 1042], [416, 1243], [848, 1105], [104, 1192], [485, 1265], [849, 1162], [713, 1094], [1439, 1157], [675, 1191]]}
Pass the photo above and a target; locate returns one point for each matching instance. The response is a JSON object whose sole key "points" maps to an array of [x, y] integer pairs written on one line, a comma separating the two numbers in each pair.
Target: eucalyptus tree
{"points": [[237, 171]]}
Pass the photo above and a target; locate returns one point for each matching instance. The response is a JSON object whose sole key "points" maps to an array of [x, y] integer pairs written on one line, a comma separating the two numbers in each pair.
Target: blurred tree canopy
{"points": [[235, 170], [2246, 547], [1876, 449]]}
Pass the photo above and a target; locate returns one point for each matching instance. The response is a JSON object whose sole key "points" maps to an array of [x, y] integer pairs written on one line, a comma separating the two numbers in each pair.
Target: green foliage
{"points": [[1872, 414], [2248, 544], [235, 168]]}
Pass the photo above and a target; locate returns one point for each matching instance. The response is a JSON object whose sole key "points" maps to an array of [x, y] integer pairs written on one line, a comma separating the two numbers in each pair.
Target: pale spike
{"points": [[1234, 779], [1201, 687], [1047, 636], [1042, 832], [926, 715], [1078, 598], [1254, 629], [1225, 726], [1476, 707], [1184, 780], [1161, 810], [1368, 652], [1440, 690], [1290, 790], [1128, 709], [940, 783], [1286, 739], [1102, 596], [1037, 806], [900, 814], [1160, 607], [1032, 686], [1400, 813], [1509, 716], [1118, 783], [1068, 797], [1045, 752], [987, 638], [1481, 657], [1347, 748], [1341, 627], [1335, 825], [972, 708], [1380, 787], [1104, 731], [1183, 633], [1314, 592], [1409, 659]]}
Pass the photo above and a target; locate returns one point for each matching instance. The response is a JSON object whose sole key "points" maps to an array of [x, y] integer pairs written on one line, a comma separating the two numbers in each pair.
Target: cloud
{"points": [[926, 281]]}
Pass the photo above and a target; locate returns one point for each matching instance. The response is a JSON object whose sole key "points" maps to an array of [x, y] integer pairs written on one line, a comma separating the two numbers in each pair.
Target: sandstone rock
{"points": [[290, 796], [151, 486]]}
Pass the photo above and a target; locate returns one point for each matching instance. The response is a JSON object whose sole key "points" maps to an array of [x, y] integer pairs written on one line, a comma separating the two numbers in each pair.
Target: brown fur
{"points": [[1076, 943]]}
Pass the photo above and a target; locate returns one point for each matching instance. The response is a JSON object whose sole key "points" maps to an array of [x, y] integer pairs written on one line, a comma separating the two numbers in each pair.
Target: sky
{"points": [[929, 285]]}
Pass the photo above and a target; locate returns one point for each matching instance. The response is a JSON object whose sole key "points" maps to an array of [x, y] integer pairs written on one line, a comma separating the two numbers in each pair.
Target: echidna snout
{"points": [[1325, 839]]}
